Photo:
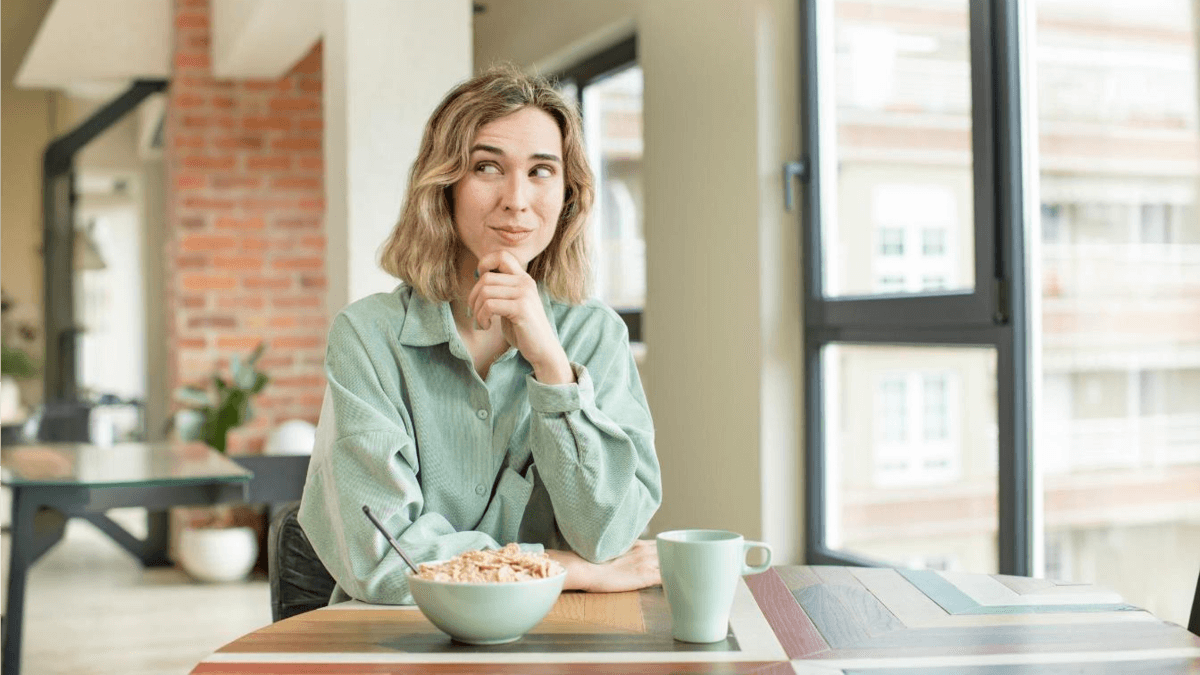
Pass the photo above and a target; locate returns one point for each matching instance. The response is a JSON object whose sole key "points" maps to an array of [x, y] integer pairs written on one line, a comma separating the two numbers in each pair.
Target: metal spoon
{"points": [[379, 526]]}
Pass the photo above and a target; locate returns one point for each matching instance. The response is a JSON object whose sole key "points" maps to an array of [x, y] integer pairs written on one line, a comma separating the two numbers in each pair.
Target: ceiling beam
{"points": [[262, 38], [98, 44]]}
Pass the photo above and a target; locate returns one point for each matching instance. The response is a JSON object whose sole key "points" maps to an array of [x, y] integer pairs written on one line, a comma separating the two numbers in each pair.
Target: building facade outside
{"points": [[1115, 256]]}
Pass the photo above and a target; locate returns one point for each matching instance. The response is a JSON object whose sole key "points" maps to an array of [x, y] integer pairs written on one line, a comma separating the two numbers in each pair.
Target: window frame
{"points": [[995, 313], [598, 66]]}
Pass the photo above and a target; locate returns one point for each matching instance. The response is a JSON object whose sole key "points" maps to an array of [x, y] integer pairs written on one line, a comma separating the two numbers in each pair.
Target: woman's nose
{"points": [[516, 193]]}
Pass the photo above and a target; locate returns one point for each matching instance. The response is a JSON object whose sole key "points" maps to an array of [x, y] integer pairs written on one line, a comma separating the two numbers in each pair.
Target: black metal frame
{"points": [[600, 65], [993, 314], [40, 513], [58, 238], [596, 67], [1194, 619]]}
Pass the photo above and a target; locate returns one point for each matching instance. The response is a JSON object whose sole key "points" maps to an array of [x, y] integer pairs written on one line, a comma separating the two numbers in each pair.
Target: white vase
{"points": [[293, 437], [11, 410], [218, 554]]}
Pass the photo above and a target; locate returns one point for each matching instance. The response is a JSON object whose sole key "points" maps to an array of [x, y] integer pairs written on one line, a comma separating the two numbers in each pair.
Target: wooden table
{"points": [[793, 620], [51, 483]]}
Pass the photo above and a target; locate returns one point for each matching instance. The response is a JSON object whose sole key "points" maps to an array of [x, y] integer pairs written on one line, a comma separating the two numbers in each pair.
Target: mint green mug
{"points": [[700, 570]]}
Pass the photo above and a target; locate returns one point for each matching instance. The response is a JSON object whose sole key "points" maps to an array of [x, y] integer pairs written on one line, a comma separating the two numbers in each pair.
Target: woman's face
{"points": [[512, 194]]}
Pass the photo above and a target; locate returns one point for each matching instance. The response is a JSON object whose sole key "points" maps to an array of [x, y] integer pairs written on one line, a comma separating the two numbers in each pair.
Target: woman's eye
{"points": [[487, 167], [543, 172]]}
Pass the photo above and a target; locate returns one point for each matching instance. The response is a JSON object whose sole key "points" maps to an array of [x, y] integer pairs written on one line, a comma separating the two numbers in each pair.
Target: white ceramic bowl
{"points": [[486, 613]]}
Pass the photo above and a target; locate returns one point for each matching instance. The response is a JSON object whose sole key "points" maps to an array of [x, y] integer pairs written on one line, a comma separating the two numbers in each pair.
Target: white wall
{"points": [[154, 210], [722, 318], [386, 66]]}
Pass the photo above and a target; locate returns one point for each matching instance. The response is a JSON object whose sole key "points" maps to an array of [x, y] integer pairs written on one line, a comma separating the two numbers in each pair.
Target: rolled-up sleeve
{"points": [[593, 444]]}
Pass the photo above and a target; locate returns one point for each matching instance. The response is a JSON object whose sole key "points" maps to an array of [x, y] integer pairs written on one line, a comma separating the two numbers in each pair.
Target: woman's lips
{"points": [[512, 236]]}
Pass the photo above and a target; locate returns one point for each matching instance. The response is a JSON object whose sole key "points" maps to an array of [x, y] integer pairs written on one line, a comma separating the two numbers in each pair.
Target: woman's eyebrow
{"points": [[544, 156]]}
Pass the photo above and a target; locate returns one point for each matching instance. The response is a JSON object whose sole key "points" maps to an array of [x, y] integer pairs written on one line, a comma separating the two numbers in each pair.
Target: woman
{"points": [[485, 400]]}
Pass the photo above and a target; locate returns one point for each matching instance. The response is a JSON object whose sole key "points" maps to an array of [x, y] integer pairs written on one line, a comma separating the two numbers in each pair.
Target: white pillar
{"points": [[387, 65], [722, 321]]}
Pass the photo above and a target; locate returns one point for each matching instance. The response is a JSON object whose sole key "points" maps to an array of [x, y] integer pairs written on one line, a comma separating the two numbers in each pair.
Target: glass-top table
{"points": [[121, 465], [52, 483]]}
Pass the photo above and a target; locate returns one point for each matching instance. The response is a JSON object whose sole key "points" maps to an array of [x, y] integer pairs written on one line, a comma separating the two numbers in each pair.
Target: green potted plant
{"points": [[225, 404], [221, 543]]}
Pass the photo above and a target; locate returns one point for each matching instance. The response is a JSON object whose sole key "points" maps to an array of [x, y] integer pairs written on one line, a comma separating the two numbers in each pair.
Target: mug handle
{"points": [[755, 569]]}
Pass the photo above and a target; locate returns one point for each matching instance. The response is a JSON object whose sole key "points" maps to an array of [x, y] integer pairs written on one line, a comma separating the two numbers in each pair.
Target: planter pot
{"points": [[218, 554], [11, 410], [293, 437]]}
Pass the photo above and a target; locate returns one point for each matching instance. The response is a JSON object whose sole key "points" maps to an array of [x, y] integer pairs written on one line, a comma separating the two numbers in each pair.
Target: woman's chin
{"points": [[521, 253]]}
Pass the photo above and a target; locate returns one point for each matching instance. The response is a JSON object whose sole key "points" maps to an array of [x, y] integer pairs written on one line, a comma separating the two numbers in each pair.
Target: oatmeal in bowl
{"points": [[487, 597]]}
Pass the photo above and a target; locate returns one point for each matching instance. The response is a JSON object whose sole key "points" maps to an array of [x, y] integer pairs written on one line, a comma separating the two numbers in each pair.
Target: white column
{"points": [[387, 65], [722, 321]]}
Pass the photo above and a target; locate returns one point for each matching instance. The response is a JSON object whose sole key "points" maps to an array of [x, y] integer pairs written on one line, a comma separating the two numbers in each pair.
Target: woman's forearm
{"points": [[579, 571], [635, 569]]}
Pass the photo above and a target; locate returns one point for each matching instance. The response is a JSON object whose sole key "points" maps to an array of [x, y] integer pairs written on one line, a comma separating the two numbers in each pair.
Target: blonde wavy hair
{"points": [[423, 248]]}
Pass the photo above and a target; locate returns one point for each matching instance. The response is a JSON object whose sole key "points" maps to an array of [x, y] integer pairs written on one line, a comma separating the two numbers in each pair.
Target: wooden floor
{"points": [[90, 609]]}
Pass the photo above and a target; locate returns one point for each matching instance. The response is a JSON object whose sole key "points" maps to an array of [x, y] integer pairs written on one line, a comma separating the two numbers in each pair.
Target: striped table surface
{"points": [[789, 620]]}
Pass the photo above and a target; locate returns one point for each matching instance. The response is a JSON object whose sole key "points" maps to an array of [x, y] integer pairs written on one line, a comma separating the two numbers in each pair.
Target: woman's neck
{"points": [[484, 345], [458, 304]]}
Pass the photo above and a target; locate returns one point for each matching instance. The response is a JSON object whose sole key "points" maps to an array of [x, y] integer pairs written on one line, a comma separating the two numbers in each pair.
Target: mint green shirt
{"points": [[450, 462]]}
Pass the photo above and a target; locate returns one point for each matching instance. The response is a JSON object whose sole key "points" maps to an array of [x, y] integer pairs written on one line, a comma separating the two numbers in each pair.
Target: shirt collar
{"points": [[428, 323]]}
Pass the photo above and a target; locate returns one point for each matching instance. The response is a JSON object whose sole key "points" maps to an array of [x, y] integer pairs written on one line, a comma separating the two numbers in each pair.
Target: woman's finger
{"points": [[493, 293], [493, 284], [503, 261], [492, 307]]}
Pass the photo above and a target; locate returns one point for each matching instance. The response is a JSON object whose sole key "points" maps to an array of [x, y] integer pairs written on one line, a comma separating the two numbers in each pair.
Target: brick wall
{"points": [[245, 251]]}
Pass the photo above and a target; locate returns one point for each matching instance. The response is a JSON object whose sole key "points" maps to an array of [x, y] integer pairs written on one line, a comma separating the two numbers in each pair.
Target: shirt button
{"points": [[480, 489], [483, 414]]}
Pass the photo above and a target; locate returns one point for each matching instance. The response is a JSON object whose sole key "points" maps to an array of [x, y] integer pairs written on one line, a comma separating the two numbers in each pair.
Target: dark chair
{"points": [[65, 422], [299, 582], [1194, 622]]}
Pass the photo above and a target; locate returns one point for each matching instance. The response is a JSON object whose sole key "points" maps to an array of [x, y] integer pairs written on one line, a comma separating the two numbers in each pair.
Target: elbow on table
{"points": [[612, 541], [374, 591]]}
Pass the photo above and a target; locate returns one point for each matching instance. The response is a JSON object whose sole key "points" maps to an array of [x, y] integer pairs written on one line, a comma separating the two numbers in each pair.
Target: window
{"points": [[937, 408], [897, 109], [933, 241], [608, 87], [910, 254], [893, 410], [891, 241], [1123, 332], [1046, 145], [1155, 224], [905, 462], [1052, 223], [1058, 558], [913, 443], [1103, 222]]}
